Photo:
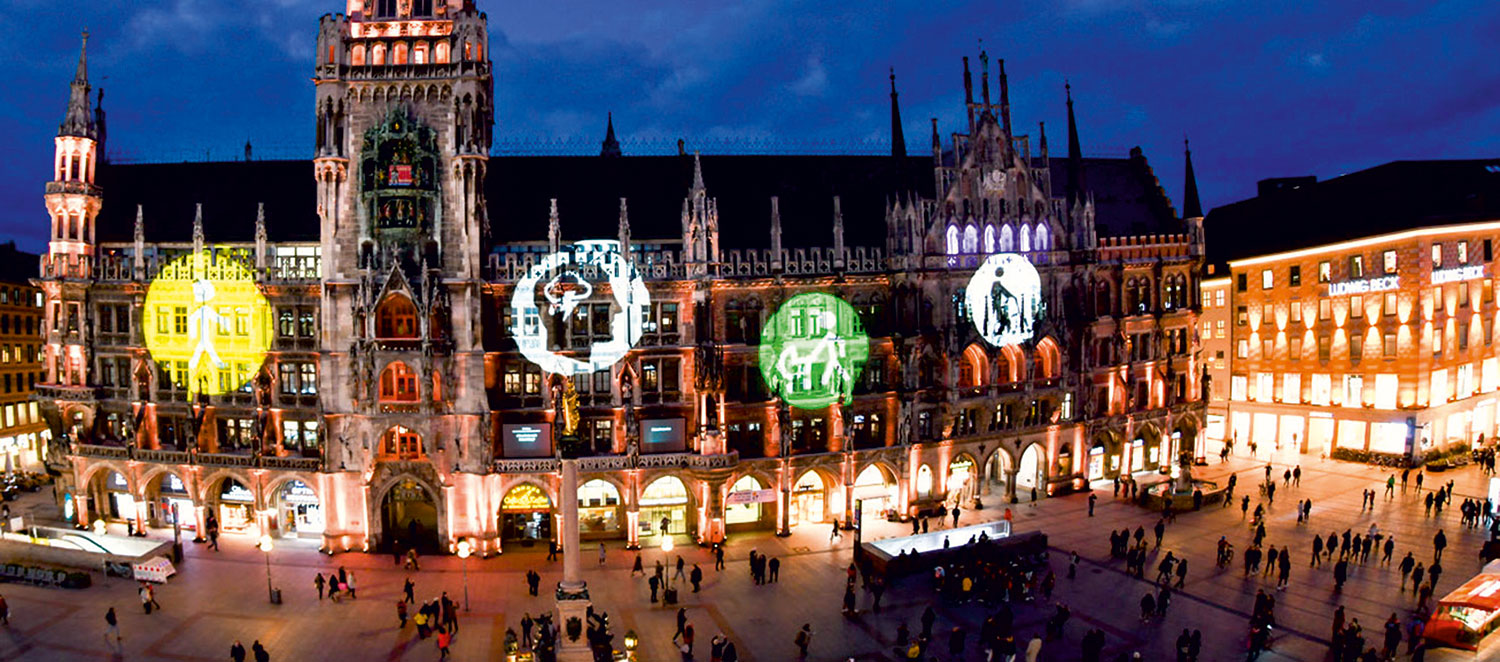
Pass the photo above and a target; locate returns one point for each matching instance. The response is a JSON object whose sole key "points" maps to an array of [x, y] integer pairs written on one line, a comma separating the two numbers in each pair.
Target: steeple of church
{"points": [[898, 137], [611, 146], [1075, 152], [1191, 207], [79, 120]]}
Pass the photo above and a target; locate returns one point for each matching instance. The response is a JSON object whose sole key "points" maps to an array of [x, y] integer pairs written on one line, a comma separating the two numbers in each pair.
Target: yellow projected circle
{"points": [[207, 324]]}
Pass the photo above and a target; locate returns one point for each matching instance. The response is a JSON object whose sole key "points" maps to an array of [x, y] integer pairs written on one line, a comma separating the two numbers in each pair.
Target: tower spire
{"points": [[969, 94], [79, 120], [1191, 207], [1004, 100], [697, 174], [984, 77], [611, 146], [898, 137], [1075, 151]]}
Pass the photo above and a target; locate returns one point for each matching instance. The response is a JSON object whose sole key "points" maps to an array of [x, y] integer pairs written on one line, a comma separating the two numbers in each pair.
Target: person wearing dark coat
{"points": [[237, 651], [261, 655]]}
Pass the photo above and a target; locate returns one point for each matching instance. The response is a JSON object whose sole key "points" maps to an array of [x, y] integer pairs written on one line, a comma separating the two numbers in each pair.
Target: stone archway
{"points": [[409, 517], [1031, 472]]}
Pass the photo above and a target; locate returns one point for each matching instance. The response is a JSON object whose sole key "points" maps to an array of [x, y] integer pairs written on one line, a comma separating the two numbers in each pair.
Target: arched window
{"points": [[745, 511], [357, 55], [398, 383], [400, 443], [437, 386], [398, 54], [377, 54], [989, 239], [971, 240], [1025, 238], [1007, 239], [924, 482], [1043, 241], [419, 53], [440, 53], [952, 240], [396, 318]]}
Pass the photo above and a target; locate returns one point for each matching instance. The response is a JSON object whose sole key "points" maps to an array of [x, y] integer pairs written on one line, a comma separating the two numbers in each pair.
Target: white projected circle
{"points": [[565, 284], [1004, 298]]}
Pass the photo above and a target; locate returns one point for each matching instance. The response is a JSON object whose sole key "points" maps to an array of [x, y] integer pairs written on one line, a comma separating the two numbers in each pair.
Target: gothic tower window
{"points": [[398, 383], [440, 53], [377, 54], [385, 8], [357, 55], [398, 53], [396, 318]]}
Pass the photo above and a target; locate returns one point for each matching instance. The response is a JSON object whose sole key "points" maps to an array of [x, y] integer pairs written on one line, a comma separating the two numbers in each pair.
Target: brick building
{"points": [[23, 435]]}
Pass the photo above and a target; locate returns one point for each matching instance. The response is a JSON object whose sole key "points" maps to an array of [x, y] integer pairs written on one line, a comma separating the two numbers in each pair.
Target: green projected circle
{"points": [[812, 350]]}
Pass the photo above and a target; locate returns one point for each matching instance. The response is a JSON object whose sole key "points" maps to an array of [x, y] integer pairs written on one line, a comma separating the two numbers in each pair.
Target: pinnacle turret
{"points": [[79, 120]]}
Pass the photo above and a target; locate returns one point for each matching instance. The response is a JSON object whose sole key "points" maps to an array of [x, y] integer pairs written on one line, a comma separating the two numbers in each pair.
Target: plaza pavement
{"points": [[220, 596]]}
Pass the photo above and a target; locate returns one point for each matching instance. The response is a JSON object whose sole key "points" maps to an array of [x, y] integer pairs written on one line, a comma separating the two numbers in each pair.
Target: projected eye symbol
{"points": [[565, 291]]}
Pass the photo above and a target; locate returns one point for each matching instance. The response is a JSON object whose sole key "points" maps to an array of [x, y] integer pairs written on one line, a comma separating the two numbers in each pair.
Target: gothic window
{"points": [[357, 55], [398, 53], [1025, 238], [398, 383], [989, 239], [396, 318], [1007, 239], [421, 8], [400, 443], [385, 8], [377, 54], [971, 240], [440, 53], [951, 246], [419, 53], [1043, 241]]}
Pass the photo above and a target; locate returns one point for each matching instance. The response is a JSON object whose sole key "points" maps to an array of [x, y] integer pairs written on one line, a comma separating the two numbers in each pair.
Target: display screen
{"points": [[812, 350], [206, 323], [1004, 298], [663, 435], [526, 439], [569, 284]]}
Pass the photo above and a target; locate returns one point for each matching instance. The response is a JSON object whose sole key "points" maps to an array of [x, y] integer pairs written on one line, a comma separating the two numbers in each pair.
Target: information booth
{"points": [[1466, 616]]}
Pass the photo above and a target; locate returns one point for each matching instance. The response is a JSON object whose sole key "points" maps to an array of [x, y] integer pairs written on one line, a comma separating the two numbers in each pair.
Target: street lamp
{"points": [[631, 641], [265, 546], [463, 554], [666, 548], [99, 527]]}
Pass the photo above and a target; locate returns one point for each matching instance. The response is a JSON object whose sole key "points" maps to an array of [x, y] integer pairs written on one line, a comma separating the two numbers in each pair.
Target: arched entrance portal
{"points": [[875, 490], [745, 510], [664, 500], [807, 499], [526, 514], [408, 516], [299, 513], [116, 499], [235, 506], [997, 472], [167, 491], [961, 481], [1032, 473]]}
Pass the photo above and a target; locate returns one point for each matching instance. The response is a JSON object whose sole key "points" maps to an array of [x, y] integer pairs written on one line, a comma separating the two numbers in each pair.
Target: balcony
{"points": [[74, 187], [66, 392]]}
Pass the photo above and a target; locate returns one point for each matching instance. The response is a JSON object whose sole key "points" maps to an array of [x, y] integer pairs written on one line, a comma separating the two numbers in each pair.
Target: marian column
{"points": [[572, 592]]}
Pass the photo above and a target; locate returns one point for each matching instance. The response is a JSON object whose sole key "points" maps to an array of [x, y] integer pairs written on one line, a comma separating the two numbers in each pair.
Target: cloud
{"points": [[815, 81]]}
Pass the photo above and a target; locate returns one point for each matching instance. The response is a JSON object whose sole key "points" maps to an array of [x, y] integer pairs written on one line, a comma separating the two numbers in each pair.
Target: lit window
{"points": [[1322, 389], [1296, 311], [1242, 349], [396, 318], [952, 240], [1219, 298], [1325, 309], [398, 383], [1356, 266], [1294, 349], [1463, 252], [1291, 387], [1354, 391], [1294, 275], [1437, 256], [1386, 386], [1267, 279], [1356, 306], [1325, 271], [1389, 304], [1388, 261], [1388, 345]]}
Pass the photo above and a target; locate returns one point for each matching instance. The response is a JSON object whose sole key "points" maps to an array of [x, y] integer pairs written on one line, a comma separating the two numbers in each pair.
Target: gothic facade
{"points": [[393, 404]]}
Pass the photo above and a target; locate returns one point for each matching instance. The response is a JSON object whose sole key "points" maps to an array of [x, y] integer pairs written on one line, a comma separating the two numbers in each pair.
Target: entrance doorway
{"points": [[807, 499], [299, 513], [664, 500], [1032, 473], [526, 514], [960, 481], [409, 518]]}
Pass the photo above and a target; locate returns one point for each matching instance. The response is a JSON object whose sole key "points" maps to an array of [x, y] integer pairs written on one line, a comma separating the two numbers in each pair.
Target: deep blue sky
{"points": [[1264, 88]]}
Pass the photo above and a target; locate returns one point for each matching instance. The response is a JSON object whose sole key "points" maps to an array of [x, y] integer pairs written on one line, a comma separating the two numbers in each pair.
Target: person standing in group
{"points": [[260, 652], [318, 583], [237, 651], [803, 640], [774, 565], [444, 640]]}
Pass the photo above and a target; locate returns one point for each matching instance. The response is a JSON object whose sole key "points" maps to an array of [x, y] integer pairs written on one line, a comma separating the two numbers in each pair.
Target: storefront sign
{"points": [[1363, 286], [526, 498], [1004, 298], [298, 492], [236, 492], [1457, 274], [750, 496], [207, 320], [812, 350], [566, 280]]}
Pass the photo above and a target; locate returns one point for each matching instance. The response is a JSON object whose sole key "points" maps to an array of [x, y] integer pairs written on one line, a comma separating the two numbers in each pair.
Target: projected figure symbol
{"points": [[203, 323], [798, 359], [565, 291]]}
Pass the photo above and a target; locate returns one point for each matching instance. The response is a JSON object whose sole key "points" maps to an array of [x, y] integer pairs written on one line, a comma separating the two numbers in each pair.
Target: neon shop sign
{"points": [[1364, 286], [1457, 274]]}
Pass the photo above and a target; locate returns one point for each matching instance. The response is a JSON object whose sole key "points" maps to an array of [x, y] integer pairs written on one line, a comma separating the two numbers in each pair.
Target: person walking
{"points": [[1034, 649], [696, 577], [655, 584], [444, 640], [602, 553], [1285, 570], [957, 510], [409, 589], [1244, 506], [1434, 572], [718, 557], [1161, 528], [1417, 574], [1340, 574], [349, 584], [1406, 565], [1297, 476], [551, 550], [237, 651], [803, 640], [113, 629], [681, 621], [259, 652], [1439, 541], [1390, 547], [639, 567], [212, 526], [1317, 554], [680, 565], [1092, 499], [318, 583]]}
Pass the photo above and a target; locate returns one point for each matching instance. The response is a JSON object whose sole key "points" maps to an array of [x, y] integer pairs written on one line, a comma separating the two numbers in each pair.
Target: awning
{"points": [[1481, 592]]}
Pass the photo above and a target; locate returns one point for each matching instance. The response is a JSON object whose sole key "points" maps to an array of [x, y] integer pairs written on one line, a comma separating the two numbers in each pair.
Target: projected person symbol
{"points": [[203, 323], [802, 356]]}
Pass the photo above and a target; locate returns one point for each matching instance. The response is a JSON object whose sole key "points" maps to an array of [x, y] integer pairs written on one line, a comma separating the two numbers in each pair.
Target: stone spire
{"points": [[624, 231], [1004, 100], [99, 127], [139, 259], [1075, 152], [838, 235], [198, 229], [969, 94], [984, 77], [79, 120], [698, 187], [554, 229], [898, 137], [775, 234], [1191, 207], [611, 146], [260, 237]]}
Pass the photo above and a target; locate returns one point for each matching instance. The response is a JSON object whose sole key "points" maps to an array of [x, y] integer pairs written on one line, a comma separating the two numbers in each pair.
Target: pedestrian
{"points": [[680, 573], [1340, 574], [526, 624], [774, 566], [696, 577], [349, 584], [803, 640], [1405, 566], [655, 584], [401, 612], [1286, 478], [1439, 541], [4, 611], [681, 620], [1034, 649], [638, 567], [1419, 480], [1163, 600], [834, 533], [260, 652], [956, 511], [666, 523], [1073, 565], [1092, 499], [1417, 574], [551, 550], [1390, 486], [444, 639], [318, 582], [145, 597], [212, 525], [849, 600], [1182, 568], [1297, 475], [1161, 528], [1244, 506], [1148, 607], [237, 651], [409, 589], [113, 628], [718, 558], [1434, 572], [602, 551], [1285, 570]]}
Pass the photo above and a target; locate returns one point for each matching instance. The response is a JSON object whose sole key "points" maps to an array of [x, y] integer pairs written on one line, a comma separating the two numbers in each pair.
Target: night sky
{"points": [[1264, 89]]}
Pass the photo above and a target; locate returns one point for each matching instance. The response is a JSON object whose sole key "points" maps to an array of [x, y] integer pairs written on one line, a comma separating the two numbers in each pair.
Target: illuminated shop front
{"points": [[1032, 472], [807, 499], [745, 505], [120, 503], [526, 514], [236, 506], [171, 492], [878, 494], [666, 498], [960, 481], [1096, 461], [299, 511], [599, 510]]}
